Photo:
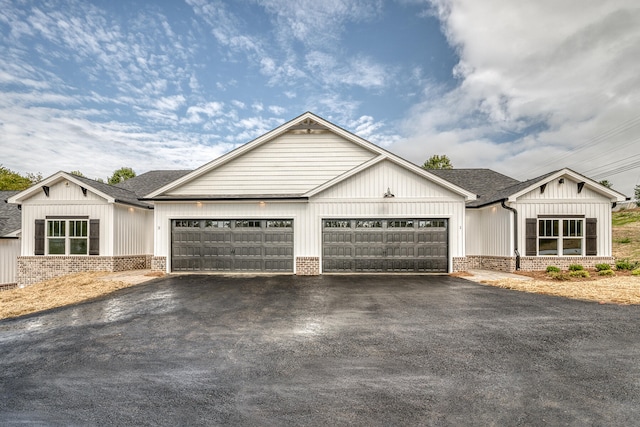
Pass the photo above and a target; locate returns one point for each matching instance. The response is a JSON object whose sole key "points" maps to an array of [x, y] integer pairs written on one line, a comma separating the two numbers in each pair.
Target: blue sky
{"points": [[521, 89]]}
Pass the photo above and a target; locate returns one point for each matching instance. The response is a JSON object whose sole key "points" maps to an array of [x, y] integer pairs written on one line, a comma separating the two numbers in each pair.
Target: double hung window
{"points": [[67, 237], [561, 237]]}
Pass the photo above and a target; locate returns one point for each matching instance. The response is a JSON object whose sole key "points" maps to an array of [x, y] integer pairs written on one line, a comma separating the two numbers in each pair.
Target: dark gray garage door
{"points": [[385, 245], [232, 245]]}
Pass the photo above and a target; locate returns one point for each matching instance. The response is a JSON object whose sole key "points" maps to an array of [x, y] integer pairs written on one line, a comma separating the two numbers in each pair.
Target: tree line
{"points": [[14, 181]]}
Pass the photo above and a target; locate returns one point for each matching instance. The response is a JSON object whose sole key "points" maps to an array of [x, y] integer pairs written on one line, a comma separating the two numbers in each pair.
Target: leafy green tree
{"points": [[606, 183], [77, 173], [637, 194], [10, 180], [438, 162], [121, 175]]}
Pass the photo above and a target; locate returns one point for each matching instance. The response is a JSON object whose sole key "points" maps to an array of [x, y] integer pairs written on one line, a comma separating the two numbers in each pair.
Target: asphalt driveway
{"points": [[329, 350]]}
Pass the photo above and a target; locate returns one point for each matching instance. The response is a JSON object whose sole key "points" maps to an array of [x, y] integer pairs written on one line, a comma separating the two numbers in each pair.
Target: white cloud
{"points": [[199, 113], [558, 72]]}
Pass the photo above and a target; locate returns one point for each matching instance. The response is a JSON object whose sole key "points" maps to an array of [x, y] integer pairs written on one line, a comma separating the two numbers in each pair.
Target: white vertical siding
{"points": [[360, 196], [31, 212], [373, 183], [133, 233], [9, 252], [293, 163], [65, 191], [559, 192], [489, 231], [600, 210]]}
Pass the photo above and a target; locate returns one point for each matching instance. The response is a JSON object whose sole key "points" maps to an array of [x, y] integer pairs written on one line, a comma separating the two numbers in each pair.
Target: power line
{"points": [[598, 139]]}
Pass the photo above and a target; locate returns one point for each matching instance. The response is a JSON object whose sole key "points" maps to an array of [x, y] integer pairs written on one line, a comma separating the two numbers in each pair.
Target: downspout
{"points": [[515, 232]]}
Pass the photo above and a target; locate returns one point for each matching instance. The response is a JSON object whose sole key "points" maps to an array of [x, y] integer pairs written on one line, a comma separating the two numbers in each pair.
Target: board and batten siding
{"points": [[589, 209], [567, 191], [31, 212], [134, 232], [359, 196], [489, 231], [293, 163], [9, 252], [375, 181]]}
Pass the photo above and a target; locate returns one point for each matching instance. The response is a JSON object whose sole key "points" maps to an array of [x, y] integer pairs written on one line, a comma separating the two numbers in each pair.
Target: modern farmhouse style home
{"points": [[310, 198]]}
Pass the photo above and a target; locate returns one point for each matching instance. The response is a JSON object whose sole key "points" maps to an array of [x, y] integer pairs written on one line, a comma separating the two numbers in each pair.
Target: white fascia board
{"points": [[612, 195], [54, 179]]}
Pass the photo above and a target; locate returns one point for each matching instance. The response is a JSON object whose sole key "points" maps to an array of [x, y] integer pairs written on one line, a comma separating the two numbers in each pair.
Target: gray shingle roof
{"points": [[150, 181], [489, 186], [479, 181], [504, 193], [119, 194], [10, 215]]}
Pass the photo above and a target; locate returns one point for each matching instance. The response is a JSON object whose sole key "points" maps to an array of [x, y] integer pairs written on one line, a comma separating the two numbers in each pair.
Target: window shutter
{"points": [[531, 232], [591, 236], [94, 237], [39, 237]]}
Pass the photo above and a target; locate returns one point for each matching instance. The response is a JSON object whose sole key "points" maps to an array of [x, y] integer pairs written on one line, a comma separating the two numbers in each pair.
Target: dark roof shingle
{"points": [[148, 182], [10, 215], [478, 181]]}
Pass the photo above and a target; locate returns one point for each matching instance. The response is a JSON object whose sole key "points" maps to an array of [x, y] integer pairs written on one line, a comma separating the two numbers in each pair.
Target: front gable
{"points": [[566, 186], [299, 159], [386, 179], [60, 188], [290, 164]]}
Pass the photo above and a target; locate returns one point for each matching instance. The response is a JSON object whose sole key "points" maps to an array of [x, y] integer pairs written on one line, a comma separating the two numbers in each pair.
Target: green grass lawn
{"points": [[626, 234]]}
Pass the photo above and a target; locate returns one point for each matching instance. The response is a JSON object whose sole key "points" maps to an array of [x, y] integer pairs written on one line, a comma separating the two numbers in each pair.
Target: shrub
{"points": [[579, 273], [576, 267], [559, 276], [625, 264], [603, 267], [636, 272], [606, 272], [553, 269]]}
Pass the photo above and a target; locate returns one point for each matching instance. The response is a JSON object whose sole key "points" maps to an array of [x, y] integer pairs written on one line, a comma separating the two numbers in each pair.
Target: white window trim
{"points": [[561, 237], [67, 237]]}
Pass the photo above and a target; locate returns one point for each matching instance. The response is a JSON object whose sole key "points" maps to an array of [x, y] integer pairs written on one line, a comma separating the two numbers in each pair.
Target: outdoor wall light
{"points": [[388, 194]]}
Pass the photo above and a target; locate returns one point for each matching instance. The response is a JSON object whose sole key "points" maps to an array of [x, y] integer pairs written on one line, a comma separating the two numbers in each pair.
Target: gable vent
{"points": [[308, 125]]}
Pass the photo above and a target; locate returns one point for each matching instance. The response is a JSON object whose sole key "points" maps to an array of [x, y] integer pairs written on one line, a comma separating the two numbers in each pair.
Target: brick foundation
{"points": [[159, 263], [541, 263], [8, 286], [33, 269], [307, 266], [508, 264], [459, 264]]}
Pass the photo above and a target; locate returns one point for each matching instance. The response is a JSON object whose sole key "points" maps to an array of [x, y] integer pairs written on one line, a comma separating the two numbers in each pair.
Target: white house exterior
{"points": [[560, 218], [327, 185], [70, 225], [9, 240], [311, 198]]}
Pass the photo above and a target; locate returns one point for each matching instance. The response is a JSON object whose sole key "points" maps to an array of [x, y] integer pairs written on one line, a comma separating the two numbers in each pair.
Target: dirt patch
{"points": [[623, 288], [57, 292]]}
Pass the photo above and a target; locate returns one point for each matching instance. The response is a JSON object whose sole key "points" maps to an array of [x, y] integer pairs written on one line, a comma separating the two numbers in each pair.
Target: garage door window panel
{"points": [[379, 245]]}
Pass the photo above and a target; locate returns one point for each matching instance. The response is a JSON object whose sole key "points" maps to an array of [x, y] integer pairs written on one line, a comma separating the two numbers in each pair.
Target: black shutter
{"points": [[592, 237], [39, 236], [531, 233], [94, 237]]}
